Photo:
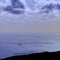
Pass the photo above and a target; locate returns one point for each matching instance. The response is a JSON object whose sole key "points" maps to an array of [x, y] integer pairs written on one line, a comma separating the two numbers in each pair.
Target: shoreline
{"points": [[43, 55]]}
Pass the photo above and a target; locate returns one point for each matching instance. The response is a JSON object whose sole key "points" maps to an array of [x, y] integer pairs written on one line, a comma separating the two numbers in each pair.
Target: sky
{"points": [[29, 22]]}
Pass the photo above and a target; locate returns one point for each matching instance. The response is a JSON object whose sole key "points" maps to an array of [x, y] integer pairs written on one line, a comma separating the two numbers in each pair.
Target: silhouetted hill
{"points": [[36, 56]]}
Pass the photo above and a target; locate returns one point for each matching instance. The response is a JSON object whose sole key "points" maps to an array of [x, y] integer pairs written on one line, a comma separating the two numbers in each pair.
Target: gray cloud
{"points": [[13, 8]]}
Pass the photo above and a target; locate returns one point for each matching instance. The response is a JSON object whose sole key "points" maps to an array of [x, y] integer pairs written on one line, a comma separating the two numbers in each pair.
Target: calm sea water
{"points": [[12, 44]]}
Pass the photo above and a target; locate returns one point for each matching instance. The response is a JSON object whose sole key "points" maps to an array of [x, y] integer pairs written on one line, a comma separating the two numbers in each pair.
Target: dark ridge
{"points": [[13, 11], [17, 4], [36, 56]]}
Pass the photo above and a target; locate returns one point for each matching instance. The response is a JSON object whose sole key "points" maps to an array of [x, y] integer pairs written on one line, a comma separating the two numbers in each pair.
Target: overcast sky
{"points": [[29, 23]]}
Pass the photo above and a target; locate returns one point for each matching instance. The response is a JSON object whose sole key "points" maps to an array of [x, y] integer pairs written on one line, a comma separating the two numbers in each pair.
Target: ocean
{"points": [[13, 44]]}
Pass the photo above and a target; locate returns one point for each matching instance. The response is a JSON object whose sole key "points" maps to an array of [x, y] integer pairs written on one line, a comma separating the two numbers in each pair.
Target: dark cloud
{"points": [[58, 6], [15, 7], [13, 11], [17, 4], [48, 8]]}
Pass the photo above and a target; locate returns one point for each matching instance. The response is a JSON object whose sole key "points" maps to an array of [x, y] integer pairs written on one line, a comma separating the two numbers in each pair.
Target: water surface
{"points": [[12, 44]]}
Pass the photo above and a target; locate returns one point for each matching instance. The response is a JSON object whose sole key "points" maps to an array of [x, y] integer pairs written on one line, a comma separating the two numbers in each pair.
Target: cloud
{"points": [[13, 11]]}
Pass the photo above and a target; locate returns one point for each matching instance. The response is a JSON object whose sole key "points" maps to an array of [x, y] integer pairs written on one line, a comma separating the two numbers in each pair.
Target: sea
{"points": [[15, 44]]}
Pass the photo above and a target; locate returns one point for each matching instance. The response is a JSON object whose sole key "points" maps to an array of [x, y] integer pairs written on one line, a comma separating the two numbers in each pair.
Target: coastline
{"points": [[43, 55]]}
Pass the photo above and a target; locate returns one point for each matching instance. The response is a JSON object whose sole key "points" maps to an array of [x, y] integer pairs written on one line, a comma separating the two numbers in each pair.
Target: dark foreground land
{"points": [[36, 56]]}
